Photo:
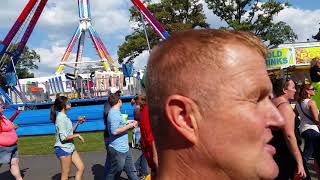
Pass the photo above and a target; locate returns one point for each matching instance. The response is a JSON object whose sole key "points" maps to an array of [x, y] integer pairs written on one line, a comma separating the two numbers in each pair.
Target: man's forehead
{"points": [[235, 60], [236, 53], [243, 63]]}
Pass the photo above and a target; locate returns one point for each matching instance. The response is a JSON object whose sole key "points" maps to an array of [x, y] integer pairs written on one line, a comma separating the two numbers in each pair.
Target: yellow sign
{"points": [[305, 54], [279, 57]]}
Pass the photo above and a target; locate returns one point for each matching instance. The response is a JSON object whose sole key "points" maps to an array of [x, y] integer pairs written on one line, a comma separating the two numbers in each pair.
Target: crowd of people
{"points": [[210, 112]]}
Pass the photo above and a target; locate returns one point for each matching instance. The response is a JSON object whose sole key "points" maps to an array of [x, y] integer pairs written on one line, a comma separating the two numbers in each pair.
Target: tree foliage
{"points": [[254, 16], [174, 15], [27, 62]]}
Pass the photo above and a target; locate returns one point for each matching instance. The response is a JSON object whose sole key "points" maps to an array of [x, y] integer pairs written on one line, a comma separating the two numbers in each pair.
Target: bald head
{"points": [[209, 107], [185, 62]]}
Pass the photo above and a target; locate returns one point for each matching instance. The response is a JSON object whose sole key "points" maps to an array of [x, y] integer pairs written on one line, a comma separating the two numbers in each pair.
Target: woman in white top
{"points": [[309, 115]]}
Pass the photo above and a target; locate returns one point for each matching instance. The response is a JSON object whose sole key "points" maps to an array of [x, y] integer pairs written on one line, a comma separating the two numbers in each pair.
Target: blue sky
{"points": [[305, 4], [110, 18]]}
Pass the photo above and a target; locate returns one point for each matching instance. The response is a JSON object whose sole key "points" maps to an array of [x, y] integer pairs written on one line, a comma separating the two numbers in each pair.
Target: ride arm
{"points": [[13, 117], [68, 51], [155, 24], [26, 35]]}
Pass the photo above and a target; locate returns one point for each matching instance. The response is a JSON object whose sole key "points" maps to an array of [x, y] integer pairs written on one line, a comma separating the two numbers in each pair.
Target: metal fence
{"points": [[36, 92]]}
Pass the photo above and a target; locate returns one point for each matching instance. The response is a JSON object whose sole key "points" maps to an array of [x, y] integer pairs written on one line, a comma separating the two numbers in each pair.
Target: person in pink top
{"points": [[8, 143]]}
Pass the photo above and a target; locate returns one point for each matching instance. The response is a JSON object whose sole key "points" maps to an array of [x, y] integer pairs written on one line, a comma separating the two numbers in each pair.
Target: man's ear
{"points": [[184, 115]]}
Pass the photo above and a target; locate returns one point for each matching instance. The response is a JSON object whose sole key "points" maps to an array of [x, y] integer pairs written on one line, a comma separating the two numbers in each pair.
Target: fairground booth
{"points": [[294, 61]]}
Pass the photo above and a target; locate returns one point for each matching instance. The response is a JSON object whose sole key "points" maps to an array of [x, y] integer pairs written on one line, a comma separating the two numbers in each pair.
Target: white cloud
{"points": [[111, 20], [50, 59], [108, 17], [141, 61], [59, 15], [212, 19], [10, 11], [303, 22], [58, 22]]}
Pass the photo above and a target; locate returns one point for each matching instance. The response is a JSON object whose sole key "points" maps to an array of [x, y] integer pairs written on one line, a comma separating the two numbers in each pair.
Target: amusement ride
{"points": [[20, 92]]}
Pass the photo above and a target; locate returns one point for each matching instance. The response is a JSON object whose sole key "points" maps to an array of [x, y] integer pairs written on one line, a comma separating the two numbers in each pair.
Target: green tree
{"points": [[255, 16], [174, 15], [27, 62]]}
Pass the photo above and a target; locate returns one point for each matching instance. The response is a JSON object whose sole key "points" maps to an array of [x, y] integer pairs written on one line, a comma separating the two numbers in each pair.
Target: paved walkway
{"points": [[48, 167]]}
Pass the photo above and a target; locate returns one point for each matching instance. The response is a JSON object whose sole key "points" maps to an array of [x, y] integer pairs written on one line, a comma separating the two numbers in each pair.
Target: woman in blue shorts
{"points": [[64, 146]]}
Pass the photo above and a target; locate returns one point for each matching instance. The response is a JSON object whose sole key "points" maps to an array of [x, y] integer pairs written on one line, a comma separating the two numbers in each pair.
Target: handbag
{"points": [[307, 115]]}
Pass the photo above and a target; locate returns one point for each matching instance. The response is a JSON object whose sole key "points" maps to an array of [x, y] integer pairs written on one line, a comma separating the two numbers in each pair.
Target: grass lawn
{"points": [[43, 145]]}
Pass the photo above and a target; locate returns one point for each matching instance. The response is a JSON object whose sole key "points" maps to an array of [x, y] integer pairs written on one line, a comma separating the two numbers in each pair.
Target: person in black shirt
{"points": [[315, 70], [288, 155]]}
